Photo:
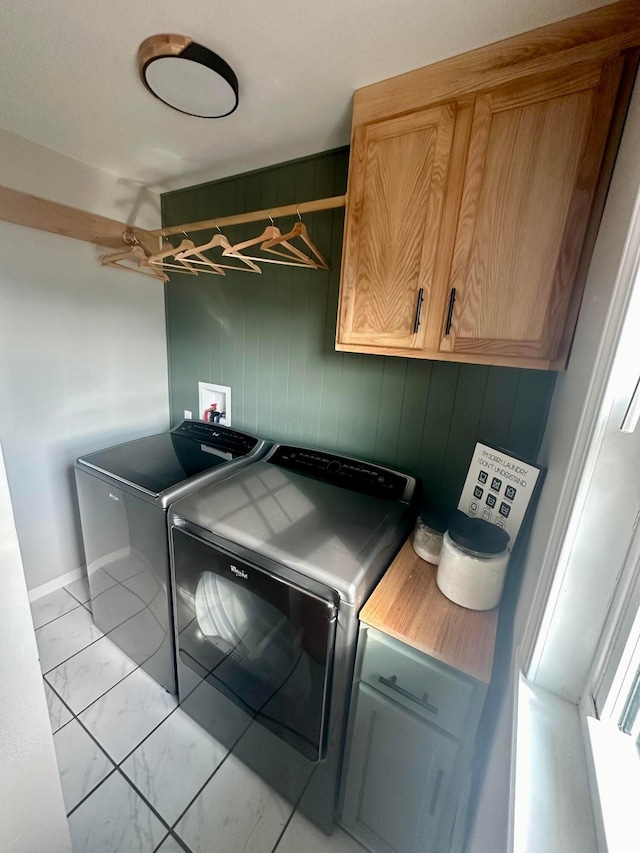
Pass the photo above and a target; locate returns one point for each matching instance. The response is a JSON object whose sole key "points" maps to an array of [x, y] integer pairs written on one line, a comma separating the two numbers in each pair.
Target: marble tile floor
{"points": [[138, 775]]}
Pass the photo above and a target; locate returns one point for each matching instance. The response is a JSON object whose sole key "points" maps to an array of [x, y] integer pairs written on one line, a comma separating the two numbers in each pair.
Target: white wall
{"points": [[33, 813], [489, 832], [37, 170], [83, 360]]}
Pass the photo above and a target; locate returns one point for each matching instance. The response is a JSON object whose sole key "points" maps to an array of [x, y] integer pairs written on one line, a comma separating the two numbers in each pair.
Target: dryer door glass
{"points": [[265, 644]]}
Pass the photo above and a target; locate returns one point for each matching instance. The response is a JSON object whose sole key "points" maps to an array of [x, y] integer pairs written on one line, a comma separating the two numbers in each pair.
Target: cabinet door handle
{"points": [[452, 302], [436, 792], [392, 684], [416, 322]]}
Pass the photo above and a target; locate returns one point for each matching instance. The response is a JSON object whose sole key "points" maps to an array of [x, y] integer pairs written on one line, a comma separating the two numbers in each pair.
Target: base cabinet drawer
{"points": [[399, 776], [425, 687]]}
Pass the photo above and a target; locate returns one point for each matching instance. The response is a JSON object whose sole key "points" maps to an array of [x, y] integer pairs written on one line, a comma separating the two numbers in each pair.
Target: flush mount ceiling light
{"points": [[187, 76]]}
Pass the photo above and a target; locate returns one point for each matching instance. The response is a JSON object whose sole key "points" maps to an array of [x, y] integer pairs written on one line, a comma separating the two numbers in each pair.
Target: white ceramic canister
{"points": [[473, 563], [428, 534]]}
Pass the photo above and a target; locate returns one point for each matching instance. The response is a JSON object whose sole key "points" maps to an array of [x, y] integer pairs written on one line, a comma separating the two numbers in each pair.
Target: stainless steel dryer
{"points": [[124, 493], [270, 569]]}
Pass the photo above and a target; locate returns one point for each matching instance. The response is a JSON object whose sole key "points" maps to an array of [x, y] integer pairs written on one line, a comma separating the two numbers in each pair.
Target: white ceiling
{"points": [[69, 77]]}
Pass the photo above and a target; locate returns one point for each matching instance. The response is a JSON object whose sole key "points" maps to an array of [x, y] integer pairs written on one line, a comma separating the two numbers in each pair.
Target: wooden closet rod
{"points": [[256, 215], [33, 212]]}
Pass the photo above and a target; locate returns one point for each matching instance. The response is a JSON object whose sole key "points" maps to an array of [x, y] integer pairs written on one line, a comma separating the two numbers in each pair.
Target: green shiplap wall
{"points": [[271, 338]]}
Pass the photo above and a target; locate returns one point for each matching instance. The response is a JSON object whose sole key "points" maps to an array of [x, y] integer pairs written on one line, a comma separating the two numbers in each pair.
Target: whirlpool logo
{"points": [[239, 573]]}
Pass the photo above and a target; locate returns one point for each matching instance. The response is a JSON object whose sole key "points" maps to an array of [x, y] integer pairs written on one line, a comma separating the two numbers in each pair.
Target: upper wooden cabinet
{"points": [[533, 161], [398, 178], [475, 190]]}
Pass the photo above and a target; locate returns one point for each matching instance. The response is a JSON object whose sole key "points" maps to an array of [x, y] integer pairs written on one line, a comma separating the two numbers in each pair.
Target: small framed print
{"points": [[511, 483]]}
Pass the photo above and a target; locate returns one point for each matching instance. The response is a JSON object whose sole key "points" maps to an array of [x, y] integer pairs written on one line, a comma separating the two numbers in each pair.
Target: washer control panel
{"points": [[223, 438]]}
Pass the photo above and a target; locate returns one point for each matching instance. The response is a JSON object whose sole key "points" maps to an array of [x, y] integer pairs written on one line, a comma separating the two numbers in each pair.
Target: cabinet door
{"points": [[397, 185], [399, 775], [533, 161]]}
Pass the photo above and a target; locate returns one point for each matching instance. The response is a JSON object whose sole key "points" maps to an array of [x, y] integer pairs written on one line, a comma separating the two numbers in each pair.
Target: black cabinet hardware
{"points": [[392, 683], [416, 322], [452, 300]]}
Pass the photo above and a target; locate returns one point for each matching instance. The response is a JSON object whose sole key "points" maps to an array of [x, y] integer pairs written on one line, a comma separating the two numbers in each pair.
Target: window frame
{"points": [[552, 628], [619, 646]]}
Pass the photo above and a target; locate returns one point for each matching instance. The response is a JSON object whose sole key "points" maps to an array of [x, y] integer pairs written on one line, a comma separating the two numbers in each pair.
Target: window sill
{"points": [[551, 802]]}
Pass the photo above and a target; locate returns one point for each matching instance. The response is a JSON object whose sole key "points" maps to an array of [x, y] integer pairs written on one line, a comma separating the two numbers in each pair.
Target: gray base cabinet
{"points": [[411, 732], [401, 770]]}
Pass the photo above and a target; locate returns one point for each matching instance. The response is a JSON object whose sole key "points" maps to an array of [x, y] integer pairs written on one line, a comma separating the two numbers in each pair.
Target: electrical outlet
{"points": [[209, 393], [188, 415]]}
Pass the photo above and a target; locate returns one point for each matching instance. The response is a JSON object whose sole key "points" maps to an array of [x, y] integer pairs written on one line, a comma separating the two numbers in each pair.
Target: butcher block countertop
{"points": [[408, 605]]}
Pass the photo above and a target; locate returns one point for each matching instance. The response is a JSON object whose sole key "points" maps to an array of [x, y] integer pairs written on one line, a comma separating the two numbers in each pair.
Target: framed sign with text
{"points": [[499, 488]]}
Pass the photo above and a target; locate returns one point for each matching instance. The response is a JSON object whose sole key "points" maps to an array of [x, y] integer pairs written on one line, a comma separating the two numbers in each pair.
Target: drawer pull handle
{"points": [[436, 792], [392, 684]]}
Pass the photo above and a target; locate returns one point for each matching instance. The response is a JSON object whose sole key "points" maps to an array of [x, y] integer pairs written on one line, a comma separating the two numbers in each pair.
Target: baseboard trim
{"points": [[57, 583]]}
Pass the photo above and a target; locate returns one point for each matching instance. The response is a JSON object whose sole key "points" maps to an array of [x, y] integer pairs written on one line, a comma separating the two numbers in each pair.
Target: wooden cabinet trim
{"points": [[577, 220], [458, 357], [602, 81], [425, 235], [525, 91], [472, 183], [457, 171], [594, 35], [628, 77]]}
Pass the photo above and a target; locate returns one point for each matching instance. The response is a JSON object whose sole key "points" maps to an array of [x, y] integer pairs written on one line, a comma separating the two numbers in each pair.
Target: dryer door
{"points": [[264, 643]]}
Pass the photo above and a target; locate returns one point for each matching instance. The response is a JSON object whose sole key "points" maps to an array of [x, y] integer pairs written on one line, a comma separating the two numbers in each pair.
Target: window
{"points": [[581, 644], [629, 722], [612, 708], [615, 681]]}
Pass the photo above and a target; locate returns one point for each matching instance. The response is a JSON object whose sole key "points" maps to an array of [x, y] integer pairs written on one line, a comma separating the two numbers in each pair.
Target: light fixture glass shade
{"points": [[188, 77]]}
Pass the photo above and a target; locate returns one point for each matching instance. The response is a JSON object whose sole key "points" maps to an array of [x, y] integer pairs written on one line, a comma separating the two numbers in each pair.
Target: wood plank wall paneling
{"points": [[271, 338]]}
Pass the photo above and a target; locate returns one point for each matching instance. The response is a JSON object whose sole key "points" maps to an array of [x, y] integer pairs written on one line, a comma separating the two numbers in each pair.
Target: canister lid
{"points": [[434, 519], [476, 534]]}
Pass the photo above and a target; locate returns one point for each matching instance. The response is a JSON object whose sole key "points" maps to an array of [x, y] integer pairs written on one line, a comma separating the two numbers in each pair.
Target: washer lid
{"points": [[158, 462], [340, 538]]}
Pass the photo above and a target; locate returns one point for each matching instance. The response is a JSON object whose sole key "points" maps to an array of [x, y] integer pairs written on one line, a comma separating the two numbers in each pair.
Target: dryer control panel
{"points": [[343, 471]]}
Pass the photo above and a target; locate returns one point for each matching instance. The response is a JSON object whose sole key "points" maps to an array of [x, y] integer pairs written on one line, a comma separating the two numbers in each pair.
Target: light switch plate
{"points": [[188, 415]]}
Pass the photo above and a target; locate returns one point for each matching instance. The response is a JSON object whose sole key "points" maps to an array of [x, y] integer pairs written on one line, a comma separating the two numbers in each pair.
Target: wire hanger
{"points": [[270, 232], [298, 230], [135, 253], [219, 240], [169, 250]]}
